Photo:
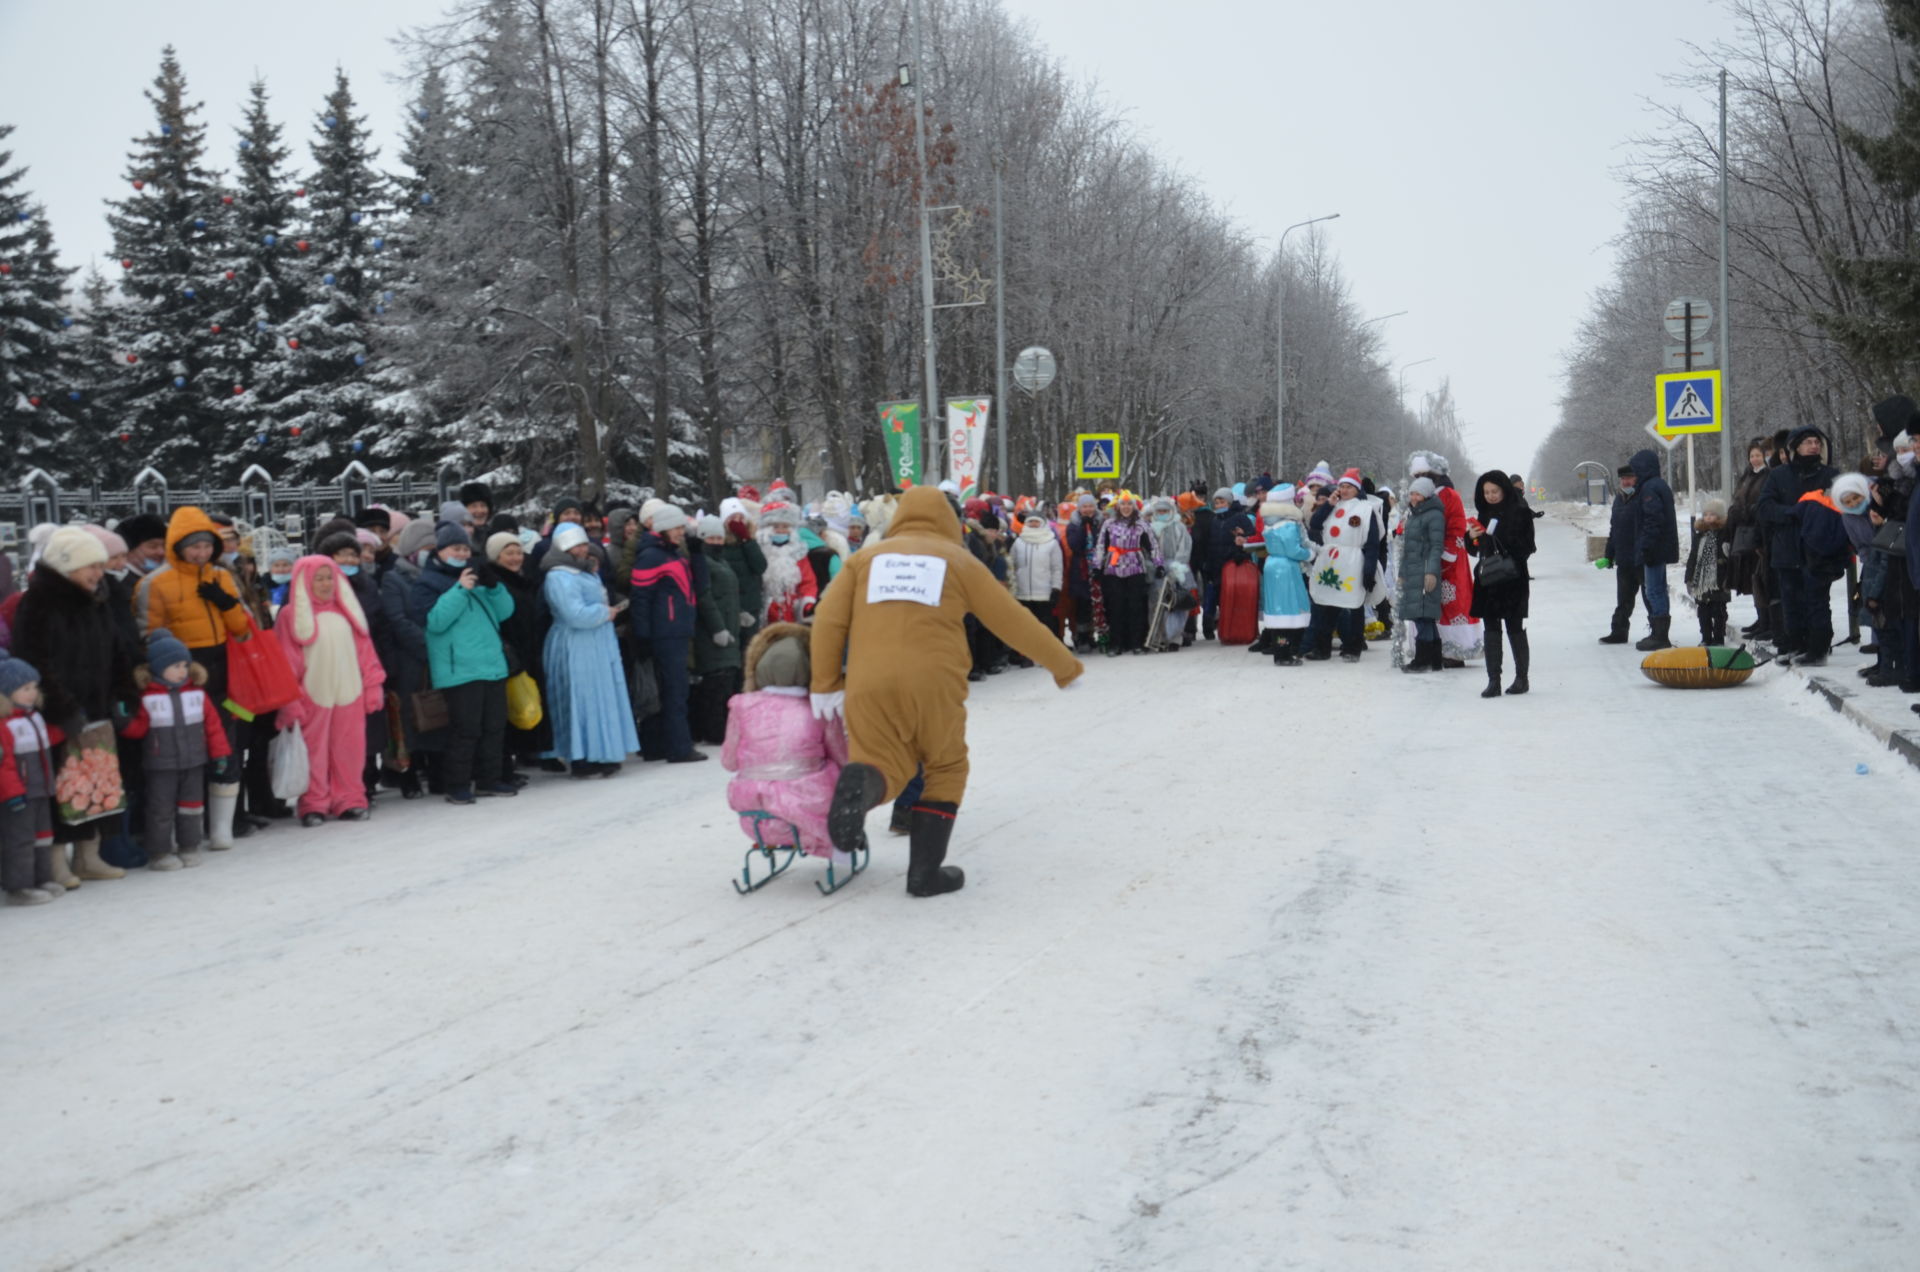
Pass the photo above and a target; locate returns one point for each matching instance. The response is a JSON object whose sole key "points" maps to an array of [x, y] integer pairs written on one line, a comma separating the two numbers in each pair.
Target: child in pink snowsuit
{"points": [[786, 761], [325, 635]]}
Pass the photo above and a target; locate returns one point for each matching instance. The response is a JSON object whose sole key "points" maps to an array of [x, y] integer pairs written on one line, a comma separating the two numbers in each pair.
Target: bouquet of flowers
{"points": [[88, 785]]}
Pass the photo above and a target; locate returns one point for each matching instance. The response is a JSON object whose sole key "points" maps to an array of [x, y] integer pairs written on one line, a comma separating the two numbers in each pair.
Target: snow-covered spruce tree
{"points": [[166, 237], [38, 359], [406, 405], [258, 291], [95, 442], [325, 404]]}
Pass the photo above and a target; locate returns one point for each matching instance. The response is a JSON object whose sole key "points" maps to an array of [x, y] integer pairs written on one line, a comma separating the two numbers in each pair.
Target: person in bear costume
{"points": [[890, 652]]}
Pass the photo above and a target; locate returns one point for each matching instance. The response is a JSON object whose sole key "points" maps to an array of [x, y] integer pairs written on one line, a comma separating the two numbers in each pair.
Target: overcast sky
{"points": [[1468, 147]]}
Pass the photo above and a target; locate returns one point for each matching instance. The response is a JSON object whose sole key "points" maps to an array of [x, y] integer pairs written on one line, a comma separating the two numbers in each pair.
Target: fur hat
{"points": [[1715, 508], [476, 492], [731, 507], [498, 543], [1422, 486], [569, 536], [1851, 486], [668, 517], [375, 517], [142, 527], [451, 534], [71, 548], [790, 648], [16, 675], [415, 536], [779, 513], [709, 527], [1437, 465], [113, 543], [164, 649]]}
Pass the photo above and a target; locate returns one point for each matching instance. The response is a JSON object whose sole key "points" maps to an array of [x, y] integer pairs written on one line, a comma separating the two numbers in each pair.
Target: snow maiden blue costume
{"points": [[1284, 606], [586, 687]]}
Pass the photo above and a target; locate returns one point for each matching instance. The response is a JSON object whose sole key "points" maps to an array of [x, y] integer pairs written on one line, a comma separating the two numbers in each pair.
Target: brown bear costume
{"points": [[896, 615]]}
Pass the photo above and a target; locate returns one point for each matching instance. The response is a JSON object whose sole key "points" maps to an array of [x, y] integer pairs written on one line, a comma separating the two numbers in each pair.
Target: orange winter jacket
{"points": [[170, 596]]}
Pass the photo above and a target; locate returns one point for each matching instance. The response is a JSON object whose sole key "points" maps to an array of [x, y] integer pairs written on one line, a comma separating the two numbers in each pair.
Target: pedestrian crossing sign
{"points": [[1097, 455], [1687, 402]]}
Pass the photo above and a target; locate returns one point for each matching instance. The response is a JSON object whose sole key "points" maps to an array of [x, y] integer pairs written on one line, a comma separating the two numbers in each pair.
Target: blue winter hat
{"points": [[164, 649], [15, 675], [451, 535]]}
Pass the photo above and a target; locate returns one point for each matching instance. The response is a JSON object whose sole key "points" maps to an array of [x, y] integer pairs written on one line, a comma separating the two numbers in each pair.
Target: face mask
{"points": [[457, 563], [1904, 462], [120, 573], [348, 570], [145, 565], [781, 540], [279, 579], [228, 558]]}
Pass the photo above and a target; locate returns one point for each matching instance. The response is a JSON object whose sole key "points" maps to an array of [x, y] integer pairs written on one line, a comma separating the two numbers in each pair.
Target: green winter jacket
{"points": [[463, 635], [719, 609], [748, 562]]}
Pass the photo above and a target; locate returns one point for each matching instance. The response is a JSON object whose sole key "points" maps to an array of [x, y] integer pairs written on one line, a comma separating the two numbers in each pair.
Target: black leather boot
{"points": [[1522, 655], [932, 828], [1495, 659], [859, 790], [1656, 639]]}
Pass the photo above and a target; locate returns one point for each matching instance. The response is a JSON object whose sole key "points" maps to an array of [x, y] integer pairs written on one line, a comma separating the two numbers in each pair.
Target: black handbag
{"points": [[1746, 540], [1892, 539], [1497, 568]]}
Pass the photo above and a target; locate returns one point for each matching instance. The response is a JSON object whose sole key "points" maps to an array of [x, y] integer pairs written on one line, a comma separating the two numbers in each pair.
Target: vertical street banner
{"points": [[900, 426], [967, 442]]}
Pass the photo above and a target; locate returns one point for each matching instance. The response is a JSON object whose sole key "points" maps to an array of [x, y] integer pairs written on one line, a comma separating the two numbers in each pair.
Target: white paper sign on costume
{"points": [[898, 576], [966, 442]]}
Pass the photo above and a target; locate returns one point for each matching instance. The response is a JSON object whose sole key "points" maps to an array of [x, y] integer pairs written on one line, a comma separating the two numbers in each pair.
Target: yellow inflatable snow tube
{"points": [[1698, 667]]}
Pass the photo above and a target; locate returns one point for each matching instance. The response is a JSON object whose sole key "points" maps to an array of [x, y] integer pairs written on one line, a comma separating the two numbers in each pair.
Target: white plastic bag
{"points": [[287, 764]]}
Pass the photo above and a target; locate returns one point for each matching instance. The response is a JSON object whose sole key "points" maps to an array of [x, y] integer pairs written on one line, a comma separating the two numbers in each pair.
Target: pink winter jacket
{"points": [[299, 629], [786, 762]]}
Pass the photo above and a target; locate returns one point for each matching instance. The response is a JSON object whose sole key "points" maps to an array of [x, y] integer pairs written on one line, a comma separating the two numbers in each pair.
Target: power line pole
{"points": [[935, 424], [1280, 359], [1726, 316]]}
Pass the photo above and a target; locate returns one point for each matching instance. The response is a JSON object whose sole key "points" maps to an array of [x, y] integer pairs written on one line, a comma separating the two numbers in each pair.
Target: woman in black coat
{"points": [[65, 629], [1500, 518]]}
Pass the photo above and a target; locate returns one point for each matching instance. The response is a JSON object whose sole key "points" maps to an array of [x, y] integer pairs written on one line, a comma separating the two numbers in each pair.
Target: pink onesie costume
{"points": [[340, 685], [786, 764]]}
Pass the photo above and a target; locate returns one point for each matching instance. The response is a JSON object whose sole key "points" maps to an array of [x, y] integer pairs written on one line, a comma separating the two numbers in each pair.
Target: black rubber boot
{"points": [[1495, 659], [932, 828], [859, 791], [1617, 635], [1522, 655], [1657, 639]]}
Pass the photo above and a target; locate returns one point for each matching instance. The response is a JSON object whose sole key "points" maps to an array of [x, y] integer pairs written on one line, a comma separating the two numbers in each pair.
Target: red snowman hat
{"points": [[1352, 478]]}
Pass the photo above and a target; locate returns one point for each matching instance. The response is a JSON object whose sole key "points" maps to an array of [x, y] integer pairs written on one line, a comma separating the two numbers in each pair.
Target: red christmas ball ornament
{"points": [[33, 401], [126, 262], [227, 199], [238, 389], [293, 344], [229, 275], [131, 359], [301, 193], [126, 437], [5, 268], [301, 245], [294, 431], [138, 184], [216, 328]]}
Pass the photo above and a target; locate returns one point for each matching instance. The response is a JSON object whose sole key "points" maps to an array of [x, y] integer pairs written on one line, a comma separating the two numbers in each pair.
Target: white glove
{"points": [[746, 619], [723, 639], [828, 706]]}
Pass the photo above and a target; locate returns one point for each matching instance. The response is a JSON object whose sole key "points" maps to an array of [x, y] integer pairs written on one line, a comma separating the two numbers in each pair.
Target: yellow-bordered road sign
{"points": [[1687, 402], [1096, 455]]}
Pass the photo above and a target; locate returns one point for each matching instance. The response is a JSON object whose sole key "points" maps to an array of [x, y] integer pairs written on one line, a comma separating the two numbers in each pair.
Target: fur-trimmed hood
{"points": [[196, 675], [769, 634]]}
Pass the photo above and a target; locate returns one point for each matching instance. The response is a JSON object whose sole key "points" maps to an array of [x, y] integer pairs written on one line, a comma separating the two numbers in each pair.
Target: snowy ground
{"points": [[1324, 968]]}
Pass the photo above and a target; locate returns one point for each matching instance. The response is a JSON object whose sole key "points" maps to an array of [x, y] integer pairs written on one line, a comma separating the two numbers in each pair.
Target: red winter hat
{"points": [[750, 493], [976, 507], [1352, 478]]}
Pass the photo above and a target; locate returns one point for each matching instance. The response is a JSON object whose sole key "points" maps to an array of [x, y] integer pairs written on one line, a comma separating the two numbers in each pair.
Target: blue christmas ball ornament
{"points": [[327, 279], [424, 114], [355, 218], [379, 243], [26, 216], [387, 296], [166, 130], [199, 222], [179, 381], [331, 121], [74, 396], [358, 446], [270, 240], [189, 293], [66, 321], [379, 309], [245, 144], [259, 439], [260, 324], [426, 196], [359, 360]]}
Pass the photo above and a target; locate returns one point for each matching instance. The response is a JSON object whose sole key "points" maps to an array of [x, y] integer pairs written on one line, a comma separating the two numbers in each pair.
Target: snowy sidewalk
{"points": [[1256, 968]]}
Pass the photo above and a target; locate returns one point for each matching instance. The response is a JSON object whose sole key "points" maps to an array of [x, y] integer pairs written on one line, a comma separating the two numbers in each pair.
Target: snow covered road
{"points": [[1315, 968]]}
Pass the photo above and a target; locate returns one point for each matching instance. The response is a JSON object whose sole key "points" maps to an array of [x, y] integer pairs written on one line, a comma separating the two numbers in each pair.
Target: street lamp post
{"points": [[1280, 328], [1403, 377], [1398, 313]]}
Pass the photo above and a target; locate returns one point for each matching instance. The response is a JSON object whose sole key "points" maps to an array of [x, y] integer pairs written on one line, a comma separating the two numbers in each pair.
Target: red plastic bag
{"points": [[259, 679]]}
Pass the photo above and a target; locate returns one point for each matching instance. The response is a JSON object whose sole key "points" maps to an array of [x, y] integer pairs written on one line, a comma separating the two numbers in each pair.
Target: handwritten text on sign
{"points": [[899, 577]]}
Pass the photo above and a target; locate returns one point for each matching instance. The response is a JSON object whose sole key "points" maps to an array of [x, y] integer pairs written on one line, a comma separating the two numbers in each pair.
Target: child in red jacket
{"points": [[26, 791], [182, 737]]}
